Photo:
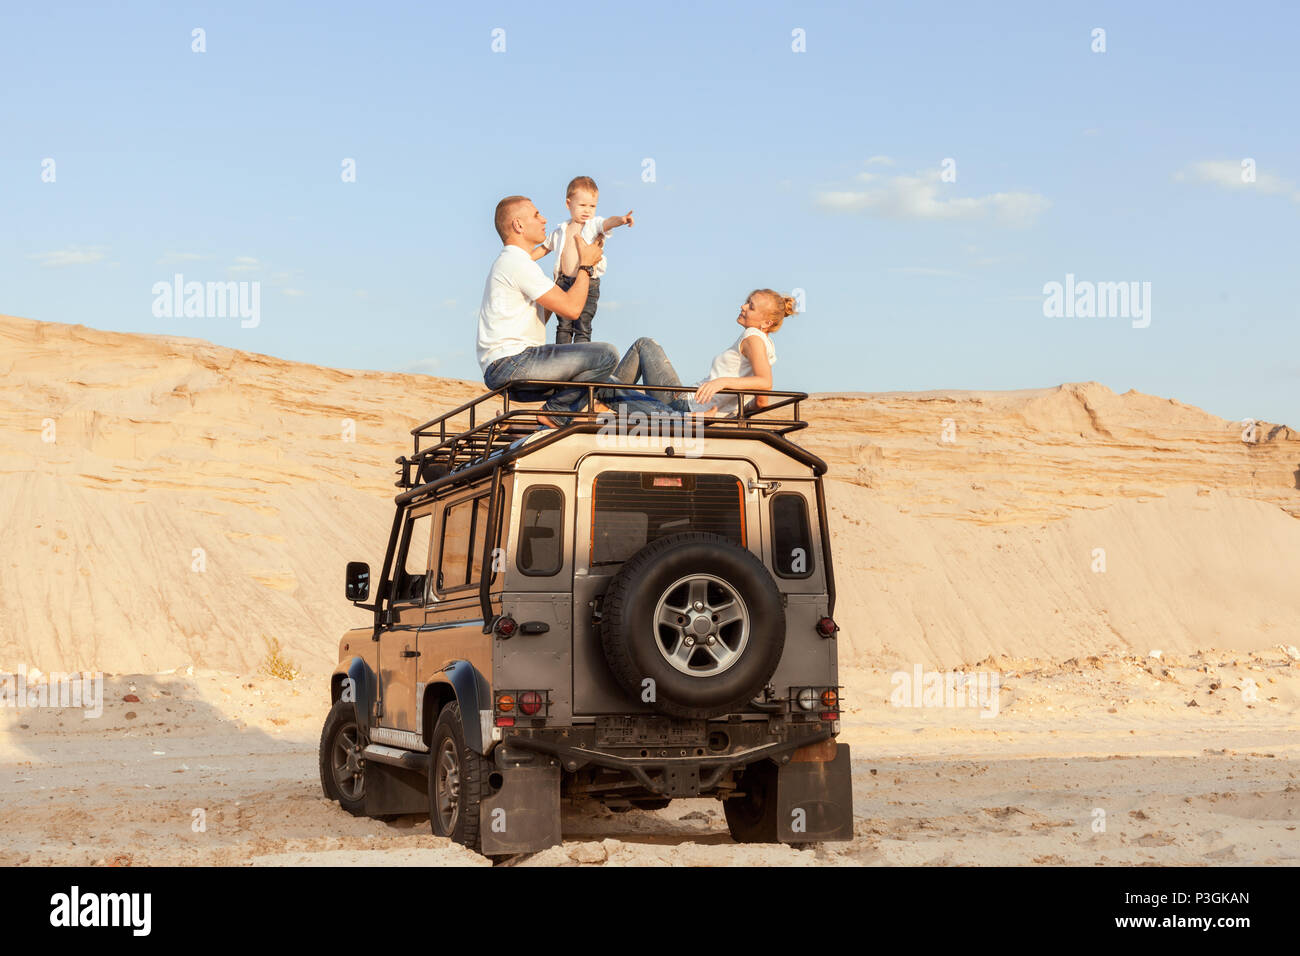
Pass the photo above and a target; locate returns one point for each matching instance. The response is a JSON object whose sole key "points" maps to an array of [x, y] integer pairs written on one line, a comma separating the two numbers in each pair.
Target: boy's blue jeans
{"points": [[577, 330], [579, 362]]}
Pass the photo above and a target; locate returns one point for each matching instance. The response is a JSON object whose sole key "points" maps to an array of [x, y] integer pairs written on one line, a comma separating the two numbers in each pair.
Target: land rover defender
{"points": [[626, 609]]}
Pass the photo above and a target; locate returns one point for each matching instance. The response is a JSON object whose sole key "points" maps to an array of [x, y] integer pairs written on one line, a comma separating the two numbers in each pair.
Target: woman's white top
{"points": [[733, 363]]}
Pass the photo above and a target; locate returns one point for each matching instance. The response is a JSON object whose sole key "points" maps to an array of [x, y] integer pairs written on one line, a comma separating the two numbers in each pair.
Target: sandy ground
{"points": [[1120, 760]]}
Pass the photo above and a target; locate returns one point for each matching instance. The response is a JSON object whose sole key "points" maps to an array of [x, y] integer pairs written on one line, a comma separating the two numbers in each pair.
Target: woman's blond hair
{"points": [[782, 307]]}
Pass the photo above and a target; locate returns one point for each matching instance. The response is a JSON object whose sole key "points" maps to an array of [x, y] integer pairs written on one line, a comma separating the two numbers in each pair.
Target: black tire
{"points": [[637, 642], [752, 818], [448, 753], [342, 769]]}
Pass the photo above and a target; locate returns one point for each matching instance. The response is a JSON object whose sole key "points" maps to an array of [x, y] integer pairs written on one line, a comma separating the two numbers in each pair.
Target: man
{"points": [[511, 325]]}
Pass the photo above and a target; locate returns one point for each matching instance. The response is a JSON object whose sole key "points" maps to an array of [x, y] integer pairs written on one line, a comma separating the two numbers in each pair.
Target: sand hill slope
{"points": [[167, 501]]}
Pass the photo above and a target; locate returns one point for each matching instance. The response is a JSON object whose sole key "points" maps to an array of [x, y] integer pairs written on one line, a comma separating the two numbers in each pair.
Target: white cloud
{"points": [[1228, 174], [246, 264], [169, 258], [76, 256], [294, 292], [919, 197], [880, 161]]}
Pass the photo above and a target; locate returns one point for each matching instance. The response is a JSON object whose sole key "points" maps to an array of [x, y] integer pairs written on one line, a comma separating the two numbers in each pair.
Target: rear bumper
{"points": [[685, 775]]}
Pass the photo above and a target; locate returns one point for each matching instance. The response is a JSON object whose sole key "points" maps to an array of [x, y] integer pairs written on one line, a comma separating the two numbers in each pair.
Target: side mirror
{"points": [[358, 586]]}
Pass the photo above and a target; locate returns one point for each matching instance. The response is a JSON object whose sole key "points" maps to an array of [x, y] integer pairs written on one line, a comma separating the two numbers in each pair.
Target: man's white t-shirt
{"points": [[555, 243], [510, 320]]}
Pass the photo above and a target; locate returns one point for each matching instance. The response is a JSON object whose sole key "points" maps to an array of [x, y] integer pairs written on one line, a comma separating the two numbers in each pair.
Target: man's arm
{"points": [[539, 251], [613, 222], [569, 304]]}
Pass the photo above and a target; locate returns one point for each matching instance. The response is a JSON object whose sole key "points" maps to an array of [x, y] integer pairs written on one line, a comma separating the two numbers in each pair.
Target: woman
{"points": [[747, 364]]}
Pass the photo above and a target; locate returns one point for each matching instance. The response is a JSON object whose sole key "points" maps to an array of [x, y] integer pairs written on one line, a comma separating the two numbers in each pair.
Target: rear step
{"points": [[408, 759]]}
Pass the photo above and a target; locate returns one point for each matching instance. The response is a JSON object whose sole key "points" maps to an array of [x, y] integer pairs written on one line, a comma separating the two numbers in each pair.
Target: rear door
{"points": [[626, 506]]}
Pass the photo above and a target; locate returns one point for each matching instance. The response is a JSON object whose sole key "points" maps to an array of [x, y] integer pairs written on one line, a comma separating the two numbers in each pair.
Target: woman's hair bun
{"points": [[788, 305]]}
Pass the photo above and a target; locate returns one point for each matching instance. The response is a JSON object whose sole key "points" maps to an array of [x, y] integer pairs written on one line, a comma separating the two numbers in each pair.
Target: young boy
{"points": [[580, 197]]}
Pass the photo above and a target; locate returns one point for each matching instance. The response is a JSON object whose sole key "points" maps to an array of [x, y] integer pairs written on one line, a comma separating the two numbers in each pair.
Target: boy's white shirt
{"points": [[590, 230]]}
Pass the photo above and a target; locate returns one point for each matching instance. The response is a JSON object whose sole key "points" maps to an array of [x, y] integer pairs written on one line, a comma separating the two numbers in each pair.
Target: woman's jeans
{"points": [[578, 362], [646, 361]]}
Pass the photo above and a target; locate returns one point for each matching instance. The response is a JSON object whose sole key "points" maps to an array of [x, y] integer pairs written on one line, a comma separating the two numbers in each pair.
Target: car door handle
{"points": [[410, 654], [535, 627]]}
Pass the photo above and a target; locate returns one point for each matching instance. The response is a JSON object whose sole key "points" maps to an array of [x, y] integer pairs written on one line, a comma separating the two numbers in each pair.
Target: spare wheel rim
{"points": [[701, 625]]}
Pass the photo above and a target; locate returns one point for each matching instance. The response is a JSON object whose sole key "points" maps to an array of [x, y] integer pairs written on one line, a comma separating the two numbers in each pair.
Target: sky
{"points": [[919, 172]]}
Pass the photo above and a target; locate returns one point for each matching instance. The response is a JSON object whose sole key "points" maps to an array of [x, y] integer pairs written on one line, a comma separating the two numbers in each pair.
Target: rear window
{"points": [[634, 508], [792, 551], [541, 532]]}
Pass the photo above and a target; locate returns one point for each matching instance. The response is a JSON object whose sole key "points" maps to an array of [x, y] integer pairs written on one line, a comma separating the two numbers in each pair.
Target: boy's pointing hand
{"points": [[628, 219]]}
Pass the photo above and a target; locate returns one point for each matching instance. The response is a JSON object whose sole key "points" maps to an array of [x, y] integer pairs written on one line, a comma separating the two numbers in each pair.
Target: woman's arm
{"points": [[753, 349]]}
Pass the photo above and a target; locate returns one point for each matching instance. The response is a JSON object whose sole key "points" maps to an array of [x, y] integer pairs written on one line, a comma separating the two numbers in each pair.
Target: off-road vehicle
{"points": [[611, 609]]}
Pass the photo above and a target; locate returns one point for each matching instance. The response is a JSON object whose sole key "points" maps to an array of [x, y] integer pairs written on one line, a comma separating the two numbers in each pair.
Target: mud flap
{"points": [[815, 800], [393, 790], [524, 815]]}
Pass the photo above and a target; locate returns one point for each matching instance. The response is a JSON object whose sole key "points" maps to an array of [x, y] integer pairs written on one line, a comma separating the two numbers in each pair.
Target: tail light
{"points": [[824, 701], [830, 705], [505, 705], [827, 627], [525, 703], [506, 626]]}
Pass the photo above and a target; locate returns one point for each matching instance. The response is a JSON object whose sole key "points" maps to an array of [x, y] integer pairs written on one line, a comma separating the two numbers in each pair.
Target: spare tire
{"points": [[700, 617]]}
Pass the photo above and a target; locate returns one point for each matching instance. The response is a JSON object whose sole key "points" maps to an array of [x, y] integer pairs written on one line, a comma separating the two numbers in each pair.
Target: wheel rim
{"points": [[447, 785], [348, 765], [701, 625]]}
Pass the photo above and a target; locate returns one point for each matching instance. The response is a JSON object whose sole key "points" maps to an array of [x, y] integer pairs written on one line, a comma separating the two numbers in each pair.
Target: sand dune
{"points": [[197, 502]]}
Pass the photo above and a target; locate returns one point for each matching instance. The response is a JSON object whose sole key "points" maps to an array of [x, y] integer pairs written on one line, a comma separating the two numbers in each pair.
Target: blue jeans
{"points": [[579, 329], [579, 362], [646, 361]]}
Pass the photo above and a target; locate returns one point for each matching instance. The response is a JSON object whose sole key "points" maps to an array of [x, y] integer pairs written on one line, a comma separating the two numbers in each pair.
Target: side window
{"points": [[464, 528], [413, 576], [480, 532], [541, 532], [453, 561], [792, 551]]}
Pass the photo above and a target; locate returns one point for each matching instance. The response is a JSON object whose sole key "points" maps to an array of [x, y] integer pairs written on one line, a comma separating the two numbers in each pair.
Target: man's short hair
{"points": [[505, 212], [581, 182]]}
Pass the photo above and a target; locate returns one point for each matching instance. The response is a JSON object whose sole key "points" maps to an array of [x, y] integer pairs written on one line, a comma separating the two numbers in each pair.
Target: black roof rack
{"points": [[493, 422]]}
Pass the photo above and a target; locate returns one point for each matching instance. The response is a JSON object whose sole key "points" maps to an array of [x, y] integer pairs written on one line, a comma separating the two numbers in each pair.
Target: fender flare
{"points": [[474, 695], [364, 683]]}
